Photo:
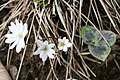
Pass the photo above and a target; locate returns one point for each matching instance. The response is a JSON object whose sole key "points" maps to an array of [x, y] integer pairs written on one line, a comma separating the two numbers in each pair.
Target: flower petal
{"points": [[60, 47], [10, 40], [25, 31], [45, 42], [21, 27], [39, 42], [50, 55], [60, 40], [13, 28], [51, 45], [43, 56], [14, 44], [22, 42], [25, 26], [10, 35], [65, 49], [18, 47], [64, 38], [66, 41], [52, 51], [69, 44], [37, 52], [17, 24]]}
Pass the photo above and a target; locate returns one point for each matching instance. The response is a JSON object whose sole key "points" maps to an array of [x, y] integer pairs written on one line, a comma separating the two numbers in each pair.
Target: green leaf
{"points": [[90, 35], [109, 36], [96, 44], [35, 0], [100, 52], [45, 3]]}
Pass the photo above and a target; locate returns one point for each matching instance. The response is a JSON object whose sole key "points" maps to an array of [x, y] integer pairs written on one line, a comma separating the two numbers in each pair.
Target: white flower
{"points": [[45, 50], [64, 44], [19, 31]]}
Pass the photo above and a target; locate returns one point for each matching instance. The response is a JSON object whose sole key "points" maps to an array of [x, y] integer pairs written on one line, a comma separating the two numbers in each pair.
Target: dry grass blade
{"points": [[107, 12], [61, 17]]}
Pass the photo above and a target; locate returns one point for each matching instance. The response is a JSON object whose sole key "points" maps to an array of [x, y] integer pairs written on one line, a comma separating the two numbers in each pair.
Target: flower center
{"points": [[20, 35], [45, 48], [62, 44]]}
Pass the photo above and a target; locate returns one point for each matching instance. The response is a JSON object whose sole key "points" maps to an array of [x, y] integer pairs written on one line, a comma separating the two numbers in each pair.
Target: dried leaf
{"points": [[3, 73], [13, 71]]}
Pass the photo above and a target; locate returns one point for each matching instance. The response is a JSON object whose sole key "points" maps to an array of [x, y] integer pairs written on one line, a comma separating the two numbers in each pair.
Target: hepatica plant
{"points": [[18, 32], [64, 44], [44, 50], [16, 37], [98, 42]]}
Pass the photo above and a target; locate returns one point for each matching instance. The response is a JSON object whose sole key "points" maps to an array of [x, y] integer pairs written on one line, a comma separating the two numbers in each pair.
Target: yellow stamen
{"points": [[20, 35], [62, 43], [45, 48]]}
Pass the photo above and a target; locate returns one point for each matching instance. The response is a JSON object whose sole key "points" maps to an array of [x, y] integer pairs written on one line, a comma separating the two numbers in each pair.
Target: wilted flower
{"points": [[19, 31], [45, 50], [64, 44]]}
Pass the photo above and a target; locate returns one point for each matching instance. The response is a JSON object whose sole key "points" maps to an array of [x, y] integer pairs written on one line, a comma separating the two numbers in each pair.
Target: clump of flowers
{"points": [[64, 44], [44, 50], [19, 31]]}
